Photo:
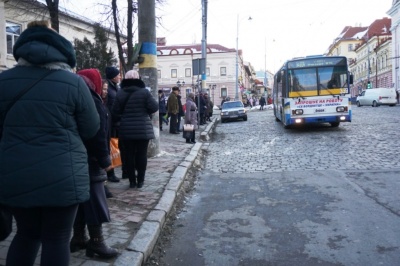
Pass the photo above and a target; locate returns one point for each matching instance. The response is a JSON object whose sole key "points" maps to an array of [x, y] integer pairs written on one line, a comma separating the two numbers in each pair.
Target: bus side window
{"points": [[284, 86]]}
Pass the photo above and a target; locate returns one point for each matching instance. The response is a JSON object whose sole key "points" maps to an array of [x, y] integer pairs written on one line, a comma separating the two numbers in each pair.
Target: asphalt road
{"points": [[310, 196]]}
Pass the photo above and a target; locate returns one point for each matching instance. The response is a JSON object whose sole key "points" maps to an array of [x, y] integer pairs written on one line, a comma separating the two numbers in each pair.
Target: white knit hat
{"points": [[132, 74]]}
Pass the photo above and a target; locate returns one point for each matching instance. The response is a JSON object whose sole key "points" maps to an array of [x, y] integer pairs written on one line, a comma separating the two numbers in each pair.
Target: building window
{"points": [[12, 31], [223, 92], [350, 47], [207, 71], [159, 74], [188, 90], [174, 73], [188, 72], [222, 71]]}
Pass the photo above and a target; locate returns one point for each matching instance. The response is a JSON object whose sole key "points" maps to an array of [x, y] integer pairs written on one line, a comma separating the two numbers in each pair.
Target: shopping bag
{"points": [[188, 127], [115, 153], [5, 223], [187, 134]]}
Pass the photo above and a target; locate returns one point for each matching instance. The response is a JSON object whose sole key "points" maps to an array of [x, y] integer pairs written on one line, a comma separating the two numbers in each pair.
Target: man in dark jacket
{"points": [[173, 110], [113, 78], [44, 169], [181, 113], [162, 109]]}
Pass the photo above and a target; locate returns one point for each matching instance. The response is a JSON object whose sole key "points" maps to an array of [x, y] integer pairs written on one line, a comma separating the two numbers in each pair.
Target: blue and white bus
{"points": [[313, 89]]}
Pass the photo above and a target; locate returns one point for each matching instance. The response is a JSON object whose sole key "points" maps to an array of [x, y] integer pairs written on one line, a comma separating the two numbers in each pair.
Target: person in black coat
{"points": [[181, 113], [262, 103], [133, 108], [94, 212], [109, 126], [113, 78], [162, 108], [202, 108]]}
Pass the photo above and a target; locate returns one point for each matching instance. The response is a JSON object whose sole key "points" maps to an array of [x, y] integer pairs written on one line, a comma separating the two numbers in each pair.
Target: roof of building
{"points": [[379, 27], [192, 49]]}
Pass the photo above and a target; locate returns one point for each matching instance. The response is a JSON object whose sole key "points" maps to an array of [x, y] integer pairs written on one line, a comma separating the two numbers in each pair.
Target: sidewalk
{"points": [[138, 215]]}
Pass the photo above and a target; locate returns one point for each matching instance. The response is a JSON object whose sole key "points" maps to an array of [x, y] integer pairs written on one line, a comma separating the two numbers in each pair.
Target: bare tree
{"points": [[116, 21], [52, 6], [128, 62]]}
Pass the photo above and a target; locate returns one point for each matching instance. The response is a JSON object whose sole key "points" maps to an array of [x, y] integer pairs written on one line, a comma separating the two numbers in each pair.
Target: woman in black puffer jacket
{"points": [[134, 106]]}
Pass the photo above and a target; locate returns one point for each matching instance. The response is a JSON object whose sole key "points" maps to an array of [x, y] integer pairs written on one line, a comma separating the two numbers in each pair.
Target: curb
{"points": [[143, 243]]}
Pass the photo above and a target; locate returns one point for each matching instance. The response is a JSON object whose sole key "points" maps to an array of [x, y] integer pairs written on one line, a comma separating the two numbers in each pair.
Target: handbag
{"points": [[188, 127], [115, 153], [187, 134], [5, 223], [16, 98]]}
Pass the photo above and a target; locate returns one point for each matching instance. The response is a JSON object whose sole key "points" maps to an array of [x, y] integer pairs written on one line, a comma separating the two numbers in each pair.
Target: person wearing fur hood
{"points": [[133, 107]]}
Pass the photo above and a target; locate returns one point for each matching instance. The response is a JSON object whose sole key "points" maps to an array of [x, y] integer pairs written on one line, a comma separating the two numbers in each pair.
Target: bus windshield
{"points": [[317, 81]]}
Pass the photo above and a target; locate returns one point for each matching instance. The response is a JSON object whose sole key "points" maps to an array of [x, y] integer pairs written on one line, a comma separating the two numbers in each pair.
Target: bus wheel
{"points": [[335, 124]]}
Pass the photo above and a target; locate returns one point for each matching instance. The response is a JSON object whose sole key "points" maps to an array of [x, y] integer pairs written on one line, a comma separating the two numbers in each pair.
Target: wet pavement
{"points": [[138, 215]]}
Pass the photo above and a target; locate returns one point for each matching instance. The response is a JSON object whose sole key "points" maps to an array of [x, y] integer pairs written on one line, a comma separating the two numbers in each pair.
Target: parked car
{"points": [[233, 110], [376, 97]]}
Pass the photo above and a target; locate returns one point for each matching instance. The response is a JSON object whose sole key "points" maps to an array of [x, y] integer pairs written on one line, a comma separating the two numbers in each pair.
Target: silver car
{"points": [[233, 110]]}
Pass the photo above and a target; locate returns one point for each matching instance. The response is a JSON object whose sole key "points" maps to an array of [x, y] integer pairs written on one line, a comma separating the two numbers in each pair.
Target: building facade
{"points": [[175, 67], [394, 13], [368, 51], [15, 16]]}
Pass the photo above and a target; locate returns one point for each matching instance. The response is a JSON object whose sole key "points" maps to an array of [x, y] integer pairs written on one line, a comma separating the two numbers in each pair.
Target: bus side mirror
{"points": [[351, 79]]}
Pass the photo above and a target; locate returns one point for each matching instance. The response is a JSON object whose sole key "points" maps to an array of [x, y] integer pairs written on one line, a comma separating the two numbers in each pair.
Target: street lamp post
{"points": [[237, 58], [180, 84], [369, 66]]}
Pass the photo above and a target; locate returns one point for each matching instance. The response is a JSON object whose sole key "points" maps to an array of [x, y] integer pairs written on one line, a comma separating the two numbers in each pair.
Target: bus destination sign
{"points": [[317, 62]]}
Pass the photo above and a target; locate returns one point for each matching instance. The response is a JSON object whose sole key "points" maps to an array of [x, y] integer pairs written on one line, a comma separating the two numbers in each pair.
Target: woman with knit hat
{"points": [[94, 212], [133, 107], [44, 167]]}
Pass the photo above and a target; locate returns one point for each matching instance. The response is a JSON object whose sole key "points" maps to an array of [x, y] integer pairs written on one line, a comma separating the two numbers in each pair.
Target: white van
{"points": [[376, 97]]}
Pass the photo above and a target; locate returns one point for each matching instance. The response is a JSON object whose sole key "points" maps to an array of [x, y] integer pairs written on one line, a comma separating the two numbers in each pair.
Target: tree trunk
{"points": [[148, 68], [52, 6]]}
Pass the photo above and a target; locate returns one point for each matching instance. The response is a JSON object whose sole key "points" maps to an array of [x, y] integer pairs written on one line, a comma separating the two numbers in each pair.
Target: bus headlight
{"points": [[341, 109], [342, 118], [298, 121], [297, 112]]}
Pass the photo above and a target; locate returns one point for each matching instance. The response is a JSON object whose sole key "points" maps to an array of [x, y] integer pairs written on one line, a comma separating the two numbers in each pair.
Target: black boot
{"points": [[111, 176], [132, 182], [97, 245], [79, 240], [124, 175], [140, 178]]}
